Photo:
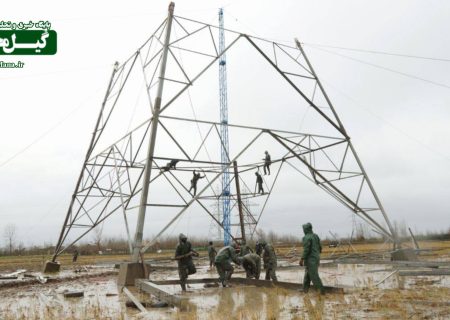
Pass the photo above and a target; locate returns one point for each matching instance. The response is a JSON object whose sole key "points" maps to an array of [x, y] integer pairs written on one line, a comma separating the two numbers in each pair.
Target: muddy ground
{"points": [[366, 296], [422, 297]]}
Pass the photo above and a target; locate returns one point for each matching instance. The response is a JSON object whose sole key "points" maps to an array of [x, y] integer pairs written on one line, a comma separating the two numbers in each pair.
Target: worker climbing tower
{"points": [[224, 132]]}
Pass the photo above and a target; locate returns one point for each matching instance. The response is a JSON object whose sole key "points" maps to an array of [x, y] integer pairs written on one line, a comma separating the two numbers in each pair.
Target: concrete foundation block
{"points": [[129, 272], [51, 267], [404, 255]]}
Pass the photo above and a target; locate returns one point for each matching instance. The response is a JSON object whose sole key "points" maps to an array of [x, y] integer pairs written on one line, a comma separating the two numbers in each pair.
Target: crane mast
{"points": [[225, 196]]}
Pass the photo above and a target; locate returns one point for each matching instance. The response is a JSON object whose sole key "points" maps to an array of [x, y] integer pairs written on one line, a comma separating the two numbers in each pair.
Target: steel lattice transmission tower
{"points": [[224, 131], [118, 169]]}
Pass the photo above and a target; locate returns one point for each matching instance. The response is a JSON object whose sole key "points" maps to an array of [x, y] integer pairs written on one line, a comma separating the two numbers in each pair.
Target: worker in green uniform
{"points": [[223, 263], [244, 249], [211, 254], [252, 265], [258, 248], [311, 259], [183, 254], [269, 259]]}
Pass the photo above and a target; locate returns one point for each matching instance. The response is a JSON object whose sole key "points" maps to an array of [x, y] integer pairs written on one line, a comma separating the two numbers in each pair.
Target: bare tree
{"points": [[98, 237], [361, 231], [400, 228], [9, 232]]}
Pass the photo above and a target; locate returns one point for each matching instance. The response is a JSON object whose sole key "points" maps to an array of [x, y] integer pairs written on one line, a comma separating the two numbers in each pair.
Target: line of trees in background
{"points": [[98, 243]]}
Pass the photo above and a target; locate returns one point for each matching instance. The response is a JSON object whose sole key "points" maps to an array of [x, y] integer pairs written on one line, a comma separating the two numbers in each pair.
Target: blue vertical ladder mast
{"points": [[224, 133]]}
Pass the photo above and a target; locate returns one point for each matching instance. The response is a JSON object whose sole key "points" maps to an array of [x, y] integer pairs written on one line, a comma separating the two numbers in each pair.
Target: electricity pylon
{"points": [[118, 170]]}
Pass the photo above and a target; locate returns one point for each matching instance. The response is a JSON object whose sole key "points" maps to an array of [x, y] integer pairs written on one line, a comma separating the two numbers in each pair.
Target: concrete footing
{"points": [[130, 271], [51, 267], [404, 255]]}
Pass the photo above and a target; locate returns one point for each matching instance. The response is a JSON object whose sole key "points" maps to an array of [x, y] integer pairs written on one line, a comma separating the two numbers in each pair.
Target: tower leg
{"points": [[134, 270]]}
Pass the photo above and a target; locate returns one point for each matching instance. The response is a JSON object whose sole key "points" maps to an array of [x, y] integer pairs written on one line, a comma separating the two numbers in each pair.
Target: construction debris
{"points": [[159, 305], [131, 304], [8, 277], [13, 275], [135, 301], [111, 294], [162, 295], [73, 294]]}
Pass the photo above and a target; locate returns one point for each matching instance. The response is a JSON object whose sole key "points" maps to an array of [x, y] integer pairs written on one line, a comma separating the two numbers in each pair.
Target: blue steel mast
{"points": [[224, 133]]}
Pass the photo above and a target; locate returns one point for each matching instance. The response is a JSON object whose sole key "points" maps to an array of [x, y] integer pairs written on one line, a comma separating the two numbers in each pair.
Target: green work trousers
{"points": [[225, 270], [312, 274], [184, 270], [271, 273]]}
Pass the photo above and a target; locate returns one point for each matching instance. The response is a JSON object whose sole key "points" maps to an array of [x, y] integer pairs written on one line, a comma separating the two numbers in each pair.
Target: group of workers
{"points": [[242, 255], [197, 176]]}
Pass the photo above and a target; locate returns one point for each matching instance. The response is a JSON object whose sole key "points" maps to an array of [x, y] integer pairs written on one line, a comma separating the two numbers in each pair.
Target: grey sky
{"points": [[398, 125]]}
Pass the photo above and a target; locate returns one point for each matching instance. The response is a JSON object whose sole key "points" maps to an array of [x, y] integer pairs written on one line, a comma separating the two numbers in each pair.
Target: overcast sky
{"points": [[398, 120]]}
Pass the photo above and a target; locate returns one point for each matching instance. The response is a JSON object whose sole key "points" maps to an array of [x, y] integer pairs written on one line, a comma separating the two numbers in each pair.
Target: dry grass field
{"points": [[36, 262]]}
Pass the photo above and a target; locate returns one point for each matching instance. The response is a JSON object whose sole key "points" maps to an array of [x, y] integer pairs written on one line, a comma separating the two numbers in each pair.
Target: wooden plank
{"points": [[438, 272], [134, 299], [161, 294], [245, 281], [188, 281]]}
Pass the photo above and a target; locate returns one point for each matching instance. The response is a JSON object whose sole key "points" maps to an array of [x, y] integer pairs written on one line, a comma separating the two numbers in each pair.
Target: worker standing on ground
{"points": [[270, 260], [311, 259], [252, 265], [244, 249], [194, 181], [75, 256], [211, 254], [223, 263], [259, 183], [267, 162], [183, 254]]}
